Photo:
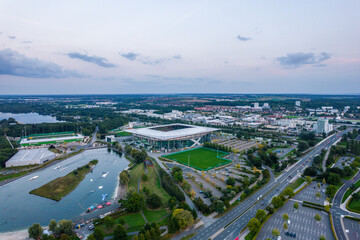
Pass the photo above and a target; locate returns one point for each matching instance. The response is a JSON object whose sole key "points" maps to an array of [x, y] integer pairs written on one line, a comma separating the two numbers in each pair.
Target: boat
{"points": [[100, 187], [91, 180], [33, 178], [92, 191], [105, 174], [104, 196]]}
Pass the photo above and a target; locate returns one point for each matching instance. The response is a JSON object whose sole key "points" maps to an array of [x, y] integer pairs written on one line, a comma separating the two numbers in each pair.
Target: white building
{"points": [[297, 103], [323, 126], [256, 105], [30, 156]]}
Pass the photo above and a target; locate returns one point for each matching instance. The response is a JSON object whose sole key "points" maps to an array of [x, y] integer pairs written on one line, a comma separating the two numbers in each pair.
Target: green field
{"points": [[349, 191], [296, 184], [62, 186], [122, 134], [354, 205], [200, 158]]}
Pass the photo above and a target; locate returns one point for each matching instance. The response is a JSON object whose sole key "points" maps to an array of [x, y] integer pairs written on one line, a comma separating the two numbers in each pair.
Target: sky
{"points": [[187, 46]]}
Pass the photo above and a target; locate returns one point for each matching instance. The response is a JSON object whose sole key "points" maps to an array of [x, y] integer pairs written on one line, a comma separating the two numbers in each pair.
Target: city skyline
{"points": [[179, 47]]}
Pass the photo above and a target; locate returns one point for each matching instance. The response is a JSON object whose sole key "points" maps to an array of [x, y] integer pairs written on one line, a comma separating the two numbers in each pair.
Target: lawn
{"points": [[62, 186], [153, 184], [200, 158], [354, 205], [296, 184], [135, 174], [155, 215], [133, 222], [349, 191]]}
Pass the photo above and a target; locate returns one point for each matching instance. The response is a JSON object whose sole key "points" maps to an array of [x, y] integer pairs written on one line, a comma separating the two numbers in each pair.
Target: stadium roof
{"points": [[165, 132]]}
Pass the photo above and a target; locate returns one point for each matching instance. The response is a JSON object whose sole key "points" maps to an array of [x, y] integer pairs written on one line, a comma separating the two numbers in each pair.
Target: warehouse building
{"points": [[171, 136], [48, 139], [26, 157]]}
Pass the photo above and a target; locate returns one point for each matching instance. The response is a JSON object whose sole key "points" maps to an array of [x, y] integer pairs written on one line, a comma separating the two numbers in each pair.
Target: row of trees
{"points": [[170, 186], [217, 146], [62, 229]]}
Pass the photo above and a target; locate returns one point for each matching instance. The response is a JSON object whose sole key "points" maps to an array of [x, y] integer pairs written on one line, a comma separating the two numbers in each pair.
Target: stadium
{"points": [[50, 139], [171, 136]]}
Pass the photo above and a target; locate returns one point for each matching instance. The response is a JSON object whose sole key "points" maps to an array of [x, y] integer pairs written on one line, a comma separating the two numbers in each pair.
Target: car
{"points": [[91, 227], [201, 191]]}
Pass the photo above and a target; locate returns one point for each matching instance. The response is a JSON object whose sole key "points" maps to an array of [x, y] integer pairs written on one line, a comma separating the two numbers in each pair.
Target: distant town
{"points": [[180, 166]]}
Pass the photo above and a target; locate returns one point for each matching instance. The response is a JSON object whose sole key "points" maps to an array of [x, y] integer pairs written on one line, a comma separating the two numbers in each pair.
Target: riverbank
{"points": [[16, 235], [62, 186]]}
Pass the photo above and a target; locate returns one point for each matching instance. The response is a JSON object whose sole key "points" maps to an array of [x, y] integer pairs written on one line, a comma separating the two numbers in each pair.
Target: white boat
{"points": [[100, 187], [92, 191], [105, 174], [91, 180], [33, 178]]}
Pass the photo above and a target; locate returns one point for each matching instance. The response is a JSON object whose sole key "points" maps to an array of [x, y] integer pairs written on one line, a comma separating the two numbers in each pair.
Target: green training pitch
{"points": [[200, 158]]}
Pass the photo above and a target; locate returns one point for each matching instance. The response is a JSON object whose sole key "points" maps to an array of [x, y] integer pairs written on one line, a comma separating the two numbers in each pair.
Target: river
{"points": [[19, 209]]}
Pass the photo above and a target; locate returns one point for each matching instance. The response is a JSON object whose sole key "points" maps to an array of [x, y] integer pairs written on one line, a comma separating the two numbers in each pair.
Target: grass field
{"points": [[354, 205], [122, 134], [155, 215], [133, 222], [349, 191], [201, 158], [296, 184], [62, 186]]}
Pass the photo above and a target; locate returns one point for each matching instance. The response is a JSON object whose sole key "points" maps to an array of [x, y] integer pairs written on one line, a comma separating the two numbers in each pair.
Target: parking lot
{"points": [[281, 152], [343, 161], [301, 221], [352, 228], [308, 194]]}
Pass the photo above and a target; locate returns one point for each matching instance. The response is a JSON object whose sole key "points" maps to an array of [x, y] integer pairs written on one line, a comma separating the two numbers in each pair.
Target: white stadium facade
{"points": [[172, 136]]}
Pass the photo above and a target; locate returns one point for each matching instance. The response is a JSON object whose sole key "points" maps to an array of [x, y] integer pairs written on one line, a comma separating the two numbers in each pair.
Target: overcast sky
{"points": [[187, 46]]}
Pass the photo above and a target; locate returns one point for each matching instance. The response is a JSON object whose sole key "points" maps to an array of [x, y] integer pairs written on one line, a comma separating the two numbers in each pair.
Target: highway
{"points": [[336, 211], [237, 219]]}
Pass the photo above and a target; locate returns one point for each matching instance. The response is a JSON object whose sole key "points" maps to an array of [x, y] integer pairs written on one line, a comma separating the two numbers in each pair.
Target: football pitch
{"points": [[200, 158]]}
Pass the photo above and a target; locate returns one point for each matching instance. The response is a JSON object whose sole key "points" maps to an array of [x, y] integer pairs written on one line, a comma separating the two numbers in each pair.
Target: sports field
{"points": [[200, 158]]}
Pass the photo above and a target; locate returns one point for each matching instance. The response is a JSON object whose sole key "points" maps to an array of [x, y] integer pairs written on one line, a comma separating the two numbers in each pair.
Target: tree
{"points": [[302, 146], [308, 179], [109, 222], [333, 179], [275, 232], [285, 217], [219, 206], [285, 226], [277, 202], [98, 234], [172, 203], [134, 202], [254, 225], [231, 181], [322, 237], [144, 177], [260, 215], [327, 208], [153, 201], [182, 217], [120, 232], [289, 192], [178, 177], [35, 231], [91, 237], [317, 217], [186, 186], [66, 226], [330, 190], [318, 185], [317, 195], [324, 181], [296, 205], [194, 213], [52, 225], [192, 193]]}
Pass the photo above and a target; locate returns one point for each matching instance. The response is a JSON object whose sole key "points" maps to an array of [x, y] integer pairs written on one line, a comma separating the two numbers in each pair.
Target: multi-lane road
{"points": [[230, 225], [336, 211]]}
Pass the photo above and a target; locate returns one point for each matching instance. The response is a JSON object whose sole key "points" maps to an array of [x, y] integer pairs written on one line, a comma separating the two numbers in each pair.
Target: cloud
{"points": [[26, 42], [17, 64], [244, 39], [100, 61], [12, 37], [296, 60], [130, 55]]}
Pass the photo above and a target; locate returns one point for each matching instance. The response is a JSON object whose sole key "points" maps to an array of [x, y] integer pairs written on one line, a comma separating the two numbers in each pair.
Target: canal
{"points": [[19, 209]]}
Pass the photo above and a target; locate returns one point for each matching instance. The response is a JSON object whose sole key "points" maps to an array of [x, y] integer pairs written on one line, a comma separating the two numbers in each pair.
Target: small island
{"points": [[62, 186]]}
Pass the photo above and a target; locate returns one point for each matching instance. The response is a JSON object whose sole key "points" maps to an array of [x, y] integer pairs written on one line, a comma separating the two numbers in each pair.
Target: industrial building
{"points": [[171, 136], [30, 156], [50, 139]]}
